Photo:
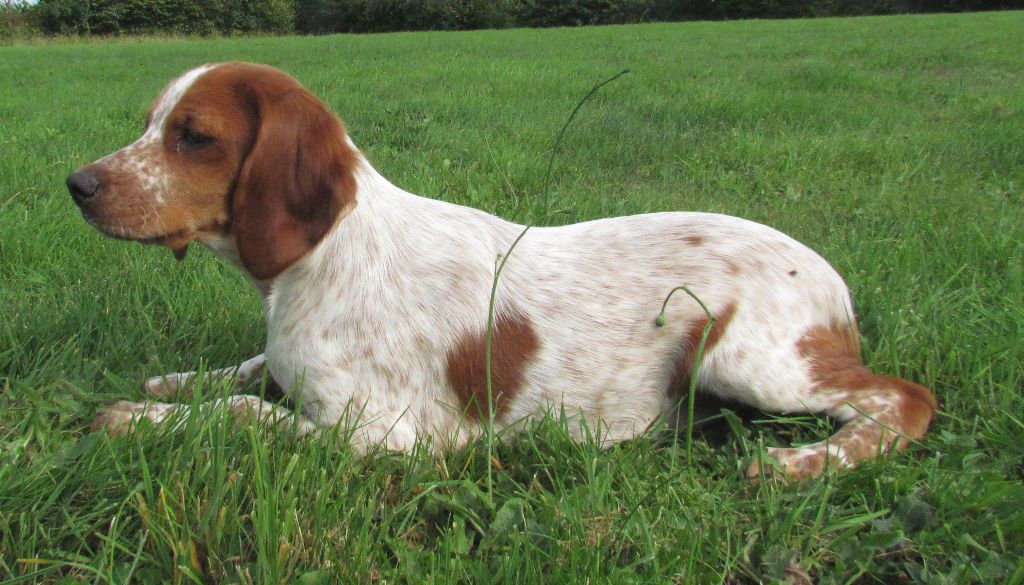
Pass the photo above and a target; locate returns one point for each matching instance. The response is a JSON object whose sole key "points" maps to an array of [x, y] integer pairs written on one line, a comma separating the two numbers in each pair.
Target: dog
{"points": [[379, 302]]}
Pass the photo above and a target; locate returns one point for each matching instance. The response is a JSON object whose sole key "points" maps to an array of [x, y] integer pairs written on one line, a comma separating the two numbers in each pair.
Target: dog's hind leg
{"points": [[879, 413], [817, 370]]}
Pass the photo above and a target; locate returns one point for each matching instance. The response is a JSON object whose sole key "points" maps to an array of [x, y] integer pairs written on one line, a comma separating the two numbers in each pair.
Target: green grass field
{"points": [[894, 146]]}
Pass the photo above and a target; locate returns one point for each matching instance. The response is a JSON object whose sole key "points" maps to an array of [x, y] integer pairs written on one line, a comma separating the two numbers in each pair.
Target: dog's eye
{"points": [[192, 138]]}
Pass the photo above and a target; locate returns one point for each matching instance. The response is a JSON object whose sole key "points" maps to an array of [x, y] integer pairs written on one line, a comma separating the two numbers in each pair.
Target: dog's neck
{"points": [[388, 230], [373, 235], [376, 199]]}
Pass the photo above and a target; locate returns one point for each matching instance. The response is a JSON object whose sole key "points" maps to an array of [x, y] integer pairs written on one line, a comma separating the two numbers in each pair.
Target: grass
{"points": [[891, 145]]}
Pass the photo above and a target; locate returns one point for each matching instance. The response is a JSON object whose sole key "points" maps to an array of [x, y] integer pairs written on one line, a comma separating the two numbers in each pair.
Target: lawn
{"points": [[892, 145]]}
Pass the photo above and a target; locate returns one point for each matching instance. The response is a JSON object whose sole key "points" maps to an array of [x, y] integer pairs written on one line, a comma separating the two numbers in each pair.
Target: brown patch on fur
{"points": [[834, 355], [679, 383], [514, 344], [693, 239], [734, 268], [792, 272]]}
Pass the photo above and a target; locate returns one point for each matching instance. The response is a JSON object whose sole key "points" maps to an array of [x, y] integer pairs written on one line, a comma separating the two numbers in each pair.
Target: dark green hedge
{"points": [[322, 16], [325, 16], [113, 17], [18, 20], [581, 12]]}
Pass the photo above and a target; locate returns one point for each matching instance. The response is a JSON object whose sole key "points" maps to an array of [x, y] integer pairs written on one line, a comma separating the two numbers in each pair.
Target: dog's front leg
{"points": [[175, 385], [124, 417]]}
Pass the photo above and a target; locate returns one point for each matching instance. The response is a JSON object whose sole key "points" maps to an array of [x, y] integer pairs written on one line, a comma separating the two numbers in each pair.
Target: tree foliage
{"points": [[204, 17], [111, 17], [324, 16]]}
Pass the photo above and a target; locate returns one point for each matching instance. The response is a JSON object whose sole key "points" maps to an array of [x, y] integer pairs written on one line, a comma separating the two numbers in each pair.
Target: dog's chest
{"points": [[334, 351], [310, 336]]}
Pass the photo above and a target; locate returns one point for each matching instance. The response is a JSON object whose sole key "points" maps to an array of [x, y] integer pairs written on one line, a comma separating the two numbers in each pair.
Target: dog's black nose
{"points": [[84, 184]]}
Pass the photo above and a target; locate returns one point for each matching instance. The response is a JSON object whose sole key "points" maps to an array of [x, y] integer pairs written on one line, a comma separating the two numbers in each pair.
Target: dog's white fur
{"points": [[366, 323]]}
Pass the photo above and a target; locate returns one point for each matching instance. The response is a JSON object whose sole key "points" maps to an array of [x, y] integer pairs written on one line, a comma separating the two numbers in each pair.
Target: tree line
{"points": [[230, 17]]}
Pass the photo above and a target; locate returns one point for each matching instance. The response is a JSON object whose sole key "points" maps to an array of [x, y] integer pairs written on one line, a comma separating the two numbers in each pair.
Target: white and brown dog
{"points": [[376, 300]]}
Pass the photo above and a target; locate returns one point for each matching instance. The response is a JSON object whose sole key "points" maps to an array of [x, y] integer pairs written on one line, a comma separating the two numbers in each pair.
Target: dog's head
{"points": [[237, 154]]}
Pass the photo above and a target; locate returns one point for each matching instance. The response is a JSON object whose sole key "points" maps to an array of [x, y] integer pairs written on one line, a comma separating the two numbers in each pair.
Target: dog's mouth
{"points": [[177, 240]]}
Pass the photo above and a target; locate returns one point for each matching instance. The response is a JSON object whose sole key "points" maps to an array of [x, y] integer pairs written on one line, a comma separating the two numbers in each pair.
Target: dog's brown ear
{"points": [[296, 180]]}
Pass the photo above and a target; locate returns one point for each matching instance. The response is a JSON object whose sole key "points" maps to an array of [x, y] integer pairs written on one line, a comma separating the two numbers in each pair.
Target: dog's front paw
{"points": [[122, 418], [168, 386]]}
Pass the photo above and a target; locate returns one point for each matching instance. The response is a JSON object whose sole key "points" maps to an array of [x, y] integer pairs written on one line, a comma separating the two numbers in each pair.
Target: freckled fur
{"points": [[376, 300]]}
